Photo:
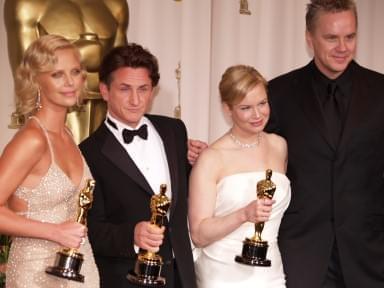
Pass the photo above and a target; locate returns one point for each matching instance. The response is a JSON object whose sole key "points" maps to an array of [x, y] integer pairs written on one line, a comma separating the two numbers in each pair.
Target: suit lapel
{"points": [[169, 141], [310, 104], [113, 150]]}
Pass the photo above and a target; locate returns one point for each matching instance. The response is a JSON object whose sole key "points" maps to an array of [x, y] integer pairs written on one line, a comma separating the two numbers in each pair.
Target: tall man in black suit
{"points": [[129, 164], [331, 113]]}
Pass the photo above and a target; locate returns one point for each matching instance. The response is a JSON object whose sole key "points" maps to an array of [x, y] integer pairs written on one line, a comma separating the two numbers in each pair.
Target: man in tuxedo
{"points": [[331, 113], [130, 155]]}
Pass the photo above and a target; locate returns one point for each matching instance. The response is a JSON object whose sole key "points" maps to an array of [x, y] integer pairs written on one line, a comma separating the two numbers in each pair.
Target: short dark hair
{"points": [[333, 6], [131, 55]]}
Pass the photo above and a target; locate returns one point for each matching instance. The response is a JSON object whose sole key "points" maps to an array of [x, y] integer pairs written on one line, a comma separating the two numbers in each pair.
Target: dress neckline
{"points": [[251, 172], [77, 186], [53, 159]]}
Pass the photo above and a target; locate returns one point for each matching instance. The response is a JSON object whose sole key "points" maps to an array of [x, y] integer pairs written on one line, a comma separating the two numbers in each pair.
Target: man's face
{"points": [[333, 41], [129, 95]]}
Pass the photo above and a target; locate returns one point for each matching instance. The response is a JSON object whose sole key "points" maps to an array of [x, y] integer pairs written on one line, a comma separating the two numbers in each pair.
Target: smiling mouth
{"points": [[341, 57], [72, 93], [257, 123], [133, 111]]}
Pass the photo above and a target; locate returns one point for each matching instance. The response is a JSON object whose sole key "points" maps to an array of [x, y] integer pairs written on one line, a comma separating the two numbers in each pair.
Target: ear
{"points": [[155, 91], [308, 39], [227, 109], [104, 91]]}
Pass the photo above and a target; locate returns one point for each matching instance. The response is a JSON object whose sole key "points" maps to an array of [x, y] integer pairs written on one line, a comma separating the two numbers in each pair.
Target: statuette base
{"points": [[67, 265], [254, 253]]}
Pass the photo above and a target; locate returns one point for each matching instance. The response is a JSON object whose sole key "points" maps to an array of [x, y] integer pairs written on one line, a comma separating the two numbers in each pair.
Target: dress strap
{"points": [[70, 134], [46, 136]]}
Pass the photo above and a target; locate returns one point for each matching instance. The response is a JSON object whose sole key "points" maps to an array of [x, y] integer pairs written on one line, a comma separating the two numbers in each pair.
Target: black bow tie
{"points": [[142, 132]]}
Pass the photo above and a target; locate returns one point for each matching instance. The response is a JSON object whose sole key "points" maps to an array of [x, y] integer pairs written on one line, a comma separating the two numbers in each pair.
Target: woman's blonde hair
{"points": [[237, 81], [38, 58]]}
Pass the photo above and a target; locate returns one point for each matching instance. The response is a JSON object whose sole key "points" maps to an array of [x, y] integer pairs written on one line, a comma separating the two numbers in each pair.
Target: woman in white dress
{"points": [[223, 206]]}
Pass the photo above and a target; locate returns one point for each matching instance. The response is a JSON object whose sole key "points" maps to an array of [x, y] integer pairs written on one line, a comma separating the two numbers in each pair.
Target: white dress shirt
{"points": [[148, 155]]}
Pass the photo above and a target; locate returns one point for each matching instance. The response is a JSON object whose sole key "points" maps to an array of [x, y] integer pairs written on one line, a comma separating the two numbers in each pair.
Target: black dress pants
{"points": [[334, 277]]}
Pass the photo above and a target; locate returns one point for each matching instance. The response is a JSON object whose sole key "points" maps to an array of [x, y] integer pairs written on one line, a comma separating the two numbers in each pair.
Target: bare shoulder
{"points": [[277, 152], [276, 142], [215, 150], [210, 155], [29, 142], [208, 163], [213, 159]]}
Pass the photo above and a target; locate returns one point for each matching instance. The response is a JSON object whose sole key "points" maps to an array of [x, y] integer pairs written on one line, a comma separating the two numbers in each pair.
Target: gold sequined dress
{"points": [[53, 200]]}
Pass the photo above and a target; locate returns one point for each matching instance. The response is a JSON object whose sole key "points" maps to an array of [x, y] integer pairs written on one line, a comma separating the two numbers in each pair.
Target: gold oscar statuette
{"points": [[68, 260], [148, 264], [255, 249], [244, 7]]}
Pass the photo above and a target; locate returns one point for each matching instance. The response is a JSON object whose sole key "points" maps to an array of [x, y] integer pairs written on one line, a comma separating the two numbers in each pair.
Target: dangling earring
{"points": [[79, 101], [38, 100], [78, 107]]}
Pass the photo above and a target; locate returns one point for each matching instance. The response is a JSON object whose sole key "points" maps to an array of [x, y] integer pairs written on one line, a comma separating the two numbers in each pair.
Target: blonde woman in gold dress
{"points": [[42, 170]]}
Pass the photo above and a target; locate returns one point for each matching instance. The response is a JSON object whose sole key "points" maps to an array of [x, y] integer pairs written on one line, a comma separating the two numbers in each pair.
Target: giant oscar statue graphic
{"points": [[68, 261], [148, 264], [94, 26], [255, 249]]}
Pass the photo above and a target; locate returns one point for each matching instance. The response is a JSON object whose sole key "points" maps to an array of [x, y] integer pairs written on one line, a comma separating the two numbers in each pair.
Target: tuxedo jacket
{"points": [[122, 199], [337, 192]]}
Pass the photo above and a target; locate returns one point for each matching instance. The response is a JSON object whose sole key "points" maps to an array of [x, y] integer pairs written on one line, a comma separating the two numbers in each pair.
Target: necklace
{"points": [[245, 145]]}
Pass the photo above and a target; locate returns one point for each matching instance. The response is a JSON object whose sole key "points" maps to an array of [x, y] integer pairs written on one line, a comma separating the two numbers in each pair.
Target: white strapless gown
{"points": [[215, 265]]}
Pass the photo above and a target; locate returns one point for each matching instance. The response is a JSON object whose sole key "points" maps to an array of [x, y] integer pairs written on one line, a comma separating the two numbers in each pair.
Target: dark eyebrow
{"points": [[124, 85]]}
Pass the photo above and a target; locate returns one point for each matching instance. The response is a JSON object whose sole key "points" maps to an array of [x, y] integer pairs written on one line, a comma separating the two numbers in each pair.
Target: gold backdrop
{"points": [[94, 26]]}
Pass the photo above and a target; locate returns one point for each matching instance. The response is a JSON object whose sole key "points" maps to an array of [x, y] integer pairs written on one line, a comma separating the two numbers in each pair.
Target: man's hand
{"points": [[148, 236], [195, 147]]}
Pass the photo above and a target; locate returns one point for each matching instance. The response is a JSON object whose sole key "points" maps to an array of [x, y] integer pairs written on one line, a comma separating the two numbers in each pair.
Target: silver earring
{"points": [[38, 100]]}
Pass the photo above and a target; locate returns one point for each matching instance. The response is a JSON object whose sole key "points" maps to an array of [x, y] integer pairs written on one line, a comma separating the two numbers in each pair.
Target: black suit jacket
{"points": [[337, 192], [121, 200]]}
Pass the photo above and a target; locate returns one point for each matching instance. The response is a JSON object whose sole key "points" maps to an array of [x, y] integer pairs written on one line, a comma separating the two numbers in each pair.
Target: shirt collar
{"points": [[120, 125], [344, 81]]}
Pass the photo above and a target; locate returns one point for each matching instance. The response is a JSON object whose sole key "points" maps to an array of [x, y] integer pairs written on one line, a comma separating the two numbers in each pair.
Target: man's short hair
{"points": [[315, 7], [131, 55]]}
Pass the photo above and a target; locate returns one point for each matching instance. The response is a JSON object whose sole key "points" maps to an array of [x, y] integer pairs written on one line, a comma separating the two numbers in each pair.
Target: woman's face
{"points": [[251, 115], [62, 86]]}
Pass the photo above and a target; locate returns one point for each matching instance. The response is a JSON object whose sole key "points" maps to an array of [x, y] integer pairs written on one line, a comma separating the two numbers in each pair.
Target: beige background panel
{"points": [[207, 36]]}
